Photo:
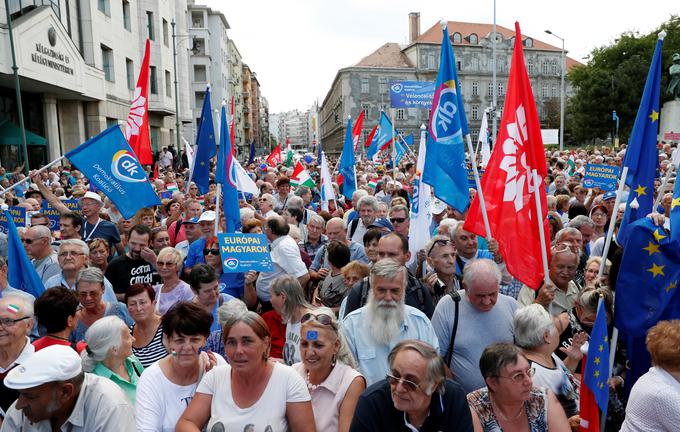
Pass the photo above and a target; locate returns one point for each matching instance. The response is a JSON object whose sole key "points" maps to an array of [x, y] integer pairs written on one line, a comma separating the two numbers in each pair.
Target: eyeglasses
{"points": [[440, 243], [215, 252], [9, 322], [397, 220], [29, 241], [70, 253], [165, 264], [519, 376], [321, 318], [409, 385]]}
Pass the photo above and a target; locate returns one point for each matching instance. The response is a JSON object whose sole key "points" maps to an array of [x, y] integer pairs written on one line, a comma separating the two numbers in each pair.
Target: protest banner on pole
{"points": [[604, 177], [244, 252]]}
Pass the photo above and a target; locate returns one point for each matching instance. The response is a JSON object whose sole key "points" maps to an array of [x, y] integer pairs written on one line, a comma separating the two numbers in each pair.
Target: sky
{"points": [[297, 47]]}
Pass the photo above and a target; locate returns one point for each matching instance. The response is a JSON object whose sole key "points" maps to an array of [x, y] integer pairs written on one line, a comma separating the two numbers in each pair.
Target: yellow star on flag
{"points": [[654, 116], [652, 248], [597, 373], [600, 348], [641, 190], [596, 361], [658, 236], [675, 202], [671, 286], [656, 270], [601, 385]]}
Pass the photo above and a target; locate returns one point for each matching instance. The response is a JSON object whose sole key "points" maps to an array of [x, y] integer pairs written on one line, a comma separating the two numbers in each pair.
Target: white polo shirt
{"points": [[286, 259]]}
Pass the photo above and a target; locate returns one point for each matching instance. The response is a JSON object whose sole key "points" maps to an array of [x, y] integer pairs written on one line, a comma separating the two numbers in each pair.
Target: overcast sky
{"points": [[297, 46]]}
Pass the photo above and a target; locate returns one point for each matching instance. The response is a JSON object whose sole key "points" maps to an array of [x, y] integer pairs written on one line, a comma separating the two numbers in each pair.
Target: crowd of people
{"points": [[141, 328]]}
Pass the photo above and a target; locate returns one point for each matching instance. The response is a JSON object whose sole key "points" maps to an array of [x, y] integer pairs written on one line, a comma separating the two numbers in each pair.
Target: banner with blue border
{"points": [[244, 252]]}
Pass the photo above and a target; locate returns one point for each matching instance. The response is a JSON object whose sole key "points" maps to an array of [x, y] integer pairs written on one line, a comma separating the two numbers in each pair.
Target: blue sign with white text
{"points": [[604, 177], [244, 252], [54, 215], [18, 216], [411, 94]]}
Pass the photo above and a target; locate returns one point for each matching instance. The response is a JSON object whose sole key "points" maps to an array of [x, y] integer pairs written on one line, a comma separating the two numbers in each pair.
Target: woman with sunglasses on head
{"points": [[231, 284], [328, 367], [288, 300], [171, 289], [251, 392], [510, 401], [206, 287]]}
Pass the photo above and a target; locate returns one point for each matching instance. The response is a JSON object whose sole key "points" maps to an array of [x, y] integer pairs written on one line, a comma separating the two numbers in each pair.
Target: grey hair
{"points": [[103, 335], [316, 218], [368, 200], [480, 269], [22, 299], [295, 295], [230, 310], [245, 214], [452, 224], [42, 231], [564, 231], [436, 372], [337, 220], [437, 238], [270, 199], [497, 356], [358, 194], [344, 353], [399, 207], [76, 242], [581, 220], [530, 324], [295, 202], [389, 269], [173, 254], [302, 190], [90, 274]]}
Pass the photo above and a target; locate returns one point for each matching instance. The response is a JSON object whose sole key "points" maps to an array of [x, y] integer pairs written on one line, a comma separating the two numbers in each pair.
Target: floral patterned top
{"points": [[536, 408]]}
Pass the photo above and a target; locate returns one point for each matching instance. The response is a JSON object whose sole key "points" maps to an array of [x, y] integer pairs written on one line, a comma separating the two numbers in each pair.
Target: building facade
{"points": [[294, 126], [365, 86]]}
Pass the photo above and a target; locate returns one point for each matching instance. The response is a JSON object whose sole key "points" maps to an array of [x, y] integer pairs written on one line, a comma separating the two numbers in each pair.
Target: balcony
{"points": [[246, 94], [246, 125]]}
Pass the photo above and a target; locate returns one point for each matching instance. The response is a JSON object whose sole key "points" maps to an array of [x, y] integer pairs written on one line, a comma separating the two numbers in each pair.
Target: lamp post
{"points": [[563, 67], [174, 65], [494, 126], [17, 89]]}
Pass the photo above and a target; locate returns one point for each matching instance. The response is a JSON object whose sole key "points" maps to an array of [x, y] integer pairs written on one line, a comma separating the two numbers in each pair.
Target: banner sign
{"points": [[671, 136], [411, 94], [550, 136], [18, 216], [471, 177], [244, 252], [53, 214], [166, 194], [604, 177]]}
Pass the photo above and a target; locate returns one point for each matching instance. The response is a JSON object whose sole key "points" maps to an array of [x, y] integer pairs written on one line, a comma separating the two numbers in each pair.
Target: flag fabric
{"points": [[232, 131], [483, 140], [445, 166], [244, 182], [205, 146], [289, 153], [369, 140], [571, 164], [346, 166], [356, 131], [301, 177], [137, 128], [675, 213], [326, 183], [401, 150], [382, 137], [596, 372], [225, 175], [189, 151], [251, 156], [21, 274], [641, 153], [508, 182], [588, 410], [109, 163], [274, 157], [420, 215]]}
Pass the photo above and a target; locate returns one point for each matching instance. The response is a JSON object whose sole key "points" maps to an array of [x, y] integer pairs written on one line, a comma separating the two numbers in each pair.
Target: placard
{"points": [[411, 94], [244, 252], [471, 177], [604, 177], [53, 214], [18, 216]]}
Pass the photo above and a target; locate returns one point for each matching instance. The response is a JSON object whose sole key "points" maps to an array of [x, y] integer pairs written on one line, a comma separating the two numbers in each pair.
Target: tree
{"points": [[614, 79]]}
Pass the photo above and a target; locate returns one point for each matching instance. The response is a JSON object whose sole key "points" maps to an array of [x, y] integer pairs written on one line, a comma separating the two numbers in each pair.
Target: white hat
{"points": [[438, 206], [93, 195], [50, 364], [208, 215]]}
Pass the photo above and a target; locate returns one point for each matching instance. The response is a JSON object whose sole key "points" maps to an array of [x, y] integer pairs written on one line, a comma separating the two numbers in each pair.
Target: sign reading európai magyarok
{"points": [[243, 252]]}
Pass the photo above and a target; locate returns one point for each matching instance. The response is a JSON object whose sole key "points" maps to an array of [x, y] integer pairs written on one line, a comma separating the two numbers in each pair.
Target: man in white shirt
{"points": [[368, 211]]}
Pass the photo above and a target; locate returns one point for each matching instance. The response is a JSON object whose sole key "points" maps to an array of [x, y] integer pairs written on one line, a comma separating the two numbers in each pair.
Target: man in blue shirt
{"points": [[336, 229]]}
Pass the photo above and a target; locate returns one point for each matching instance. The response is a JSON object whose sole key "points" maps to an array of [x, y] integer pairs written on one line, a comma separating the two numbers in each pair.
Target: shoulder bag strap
{"points": [[456, 300]]}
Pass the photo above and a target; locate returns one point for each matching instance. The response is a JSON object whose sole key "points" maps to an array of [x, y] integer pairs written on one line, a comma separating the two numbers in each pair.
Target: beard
{"points": [[385, 318]]}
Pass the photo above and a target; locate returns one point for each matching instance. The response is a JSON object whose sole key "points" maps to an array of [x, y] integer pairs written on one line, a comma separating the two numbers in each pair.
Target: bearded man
{"points": [[373, 330]]}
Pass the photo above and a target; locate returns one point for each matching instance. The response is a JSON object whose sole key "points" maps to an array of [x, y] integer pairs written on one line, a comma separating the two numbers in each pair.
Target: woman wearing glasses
{"points": [[510, 402], [230, 283], [328, 368], [206, 287], [171, 289]]}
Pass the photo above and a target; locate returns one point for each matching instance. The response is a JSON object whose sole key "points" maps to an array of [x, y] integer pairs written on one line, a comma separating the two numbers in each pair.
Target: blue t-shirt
{"points": [[103, 229]]}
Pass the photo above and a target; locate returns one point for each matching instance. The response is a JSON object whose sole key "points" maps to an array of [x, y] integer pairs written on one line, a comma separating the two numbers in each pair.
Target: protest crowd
{"points": [[362, 317]]}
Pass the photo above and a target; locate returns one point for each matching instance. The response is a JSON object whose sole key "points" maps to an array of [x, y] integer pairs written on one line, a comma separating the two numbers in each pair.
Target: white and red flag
{"points": [[512, 180], [137, 128], [274, 157], [356, 130]]}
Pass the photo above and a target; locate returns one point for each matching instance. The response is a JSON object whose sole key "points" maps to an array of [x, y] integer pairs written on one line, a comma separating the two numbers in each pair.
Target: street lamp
{"points": [[174, 64], [561, 91]]}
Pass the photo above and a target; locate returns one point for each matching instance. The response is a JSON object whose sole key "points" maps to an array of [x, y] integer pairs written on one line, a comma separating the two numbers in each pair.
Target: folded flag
{"points": [[301, 177]]}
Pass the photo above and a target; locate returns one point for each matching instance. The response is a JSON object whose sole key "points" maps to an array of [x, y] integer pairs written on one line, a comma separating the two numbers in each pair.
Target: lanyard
{"points": [[87, 238]]}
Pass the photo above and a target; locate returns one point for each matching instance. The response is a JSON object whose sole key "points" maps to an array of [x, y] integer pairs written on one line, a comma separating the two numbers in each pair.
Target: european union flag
{"points": [[205, 146], [21, 273], [383, 136], [108, 162], [226, 175], [347, 164], [251, 156], [675, 213], [641, 155], [445, 166], [596, 371]]}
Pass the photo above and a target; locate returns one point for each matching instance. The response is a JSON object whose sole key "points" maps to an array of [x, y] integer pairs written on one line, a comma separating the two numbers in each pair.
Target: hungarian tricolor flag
{"points": [[356, 130], [274, 157], [301, 177], [289, 153], [137, 128], [508, 181]]}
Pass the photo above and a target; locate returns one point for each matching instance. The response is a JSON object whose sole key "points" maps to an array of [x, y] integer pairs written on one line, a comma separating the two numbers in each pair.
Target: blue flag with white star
{"points": [[205, 146], [596, 371], [641, 154]]}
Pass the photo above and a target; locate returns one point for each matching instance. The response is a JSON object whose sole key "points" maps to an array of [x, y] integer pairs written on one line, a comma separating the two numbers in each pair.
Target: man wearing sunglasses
{"points": [[399, 219], [38, 244]]}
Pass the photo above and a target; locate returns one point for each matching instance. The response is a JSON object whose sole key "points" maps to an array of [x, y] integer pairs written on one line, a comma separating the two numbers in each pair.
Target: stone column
{"points": [[51, 127]]}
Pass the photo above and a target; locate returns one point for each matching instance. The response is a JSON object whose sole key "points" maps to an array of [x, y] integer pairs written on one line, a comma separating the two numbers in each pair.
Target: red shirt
{"points": [[46, 341], [277, 329]]}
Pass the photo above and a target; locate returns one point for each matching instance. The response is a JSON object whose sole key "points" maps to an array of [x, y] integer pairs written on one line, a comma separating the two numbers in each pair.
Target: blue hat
{"points": [[193, 220], [382, 223], [609, 195]]}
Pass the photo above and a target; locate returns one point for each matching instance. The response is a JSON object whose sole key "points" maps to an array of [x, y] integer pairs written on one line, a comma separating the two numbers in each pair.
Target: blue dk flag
{"points": [[445, 166], [21, 273], [205, 146], [347, 163], [109, 163]]}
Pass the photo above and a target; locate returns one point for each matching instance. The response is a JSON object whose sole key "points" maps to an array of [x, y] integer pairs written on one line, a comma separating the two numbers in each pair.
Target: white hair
{"points": [[103, 335], [530, 324]]}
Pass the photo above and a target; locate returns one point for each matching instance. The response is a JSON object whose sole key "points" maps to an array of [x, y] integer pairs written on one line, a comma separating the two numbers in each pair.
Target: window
{"points": [[111, 122], [544, 67], [383, 85], [554, 92], [104, 7], [130, 71], [107, 63], [489, 90], [544, 91], [365, 108], [149, 25], [168, 84], [475, 112], [473, 39], [126, 15], [197, 19], [431, 61], [500, 89], [457, 38], [530, 66], [153, 80], [474, 135], [553, 66], [200, 73], [154, 135], [166, 35], [364, 135], [401, 114], [199, 96], [475, 88], [474, 64], [529, 43], [364, 85], [198, 46], [458, 65]]}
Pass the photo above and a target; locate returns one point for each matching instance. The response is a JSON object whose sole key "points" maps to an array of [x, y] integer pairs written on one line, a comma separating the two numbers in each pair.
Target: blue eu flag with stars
{"points": [[205, 146], [596, 371]]}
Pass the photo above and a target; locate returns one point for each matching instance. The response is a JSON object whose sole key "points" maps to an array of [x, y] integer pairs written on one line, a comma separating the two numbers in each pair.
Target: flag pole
{"points": [[482, 204], [394, 149], [612, 222], [191, 174], [218, 192], [28, 177], [662, 188], [538, 184]]}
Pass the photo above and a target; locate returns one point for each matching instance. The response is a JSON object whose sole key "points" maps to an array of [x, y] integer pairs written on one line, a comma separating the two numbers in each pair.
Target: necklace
{"points": [[310, 386], [497, 410]]}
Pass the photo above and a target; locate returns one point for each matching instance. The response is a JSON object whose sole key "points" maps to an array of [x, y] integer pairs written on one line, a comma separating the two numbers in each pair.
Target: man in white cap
{"points": [[56, 395], [195, 254]]}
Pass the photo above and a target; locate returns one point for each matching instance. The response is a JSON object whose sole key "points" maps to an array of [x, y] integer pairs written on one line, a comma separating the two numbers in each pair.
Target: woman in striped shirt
{"points": [[147, 330]]}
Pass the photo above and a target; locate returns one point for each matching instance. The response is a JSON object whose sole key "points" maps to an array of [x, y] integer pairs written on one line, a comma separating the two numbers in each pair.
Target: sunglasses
{"points": [[409, 385], [397, 220], [440, 243], [29, 241], [322, 319], [211, 252]]}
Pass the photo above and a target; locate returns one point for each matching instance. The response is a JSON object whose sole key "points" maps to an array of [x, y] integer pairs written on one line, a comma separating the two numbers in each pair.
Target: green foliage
{"points": [[614, 79]]}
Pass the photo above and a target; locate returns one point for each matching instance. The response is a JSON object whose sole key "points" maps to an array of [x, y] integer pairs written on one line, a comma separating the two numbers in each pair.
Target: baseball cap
{"points": [[193, 220], [382, 223], [438, 206], [609, 195], [51, 364], [208, 215], [93, 195]]}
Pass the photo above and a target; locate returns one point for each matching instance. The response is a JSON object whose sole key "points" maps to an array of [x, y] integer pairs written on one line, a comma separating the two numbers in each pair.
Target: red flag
{"points": [[369, 140], [588, 410], [137, 128], [508, 182], [274, 157], [231, 127], [356, 130]]}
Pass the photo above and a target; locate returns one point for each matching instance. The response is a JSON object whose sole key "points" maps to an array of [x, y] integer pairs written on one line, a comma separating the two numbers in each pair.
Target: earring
{"points": [[333, 360]]}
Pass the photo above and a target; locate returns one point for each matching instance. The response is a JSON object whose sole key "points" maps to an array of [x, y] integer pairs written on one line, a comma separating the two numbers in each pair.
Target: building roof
{"points": [[388, 55]]}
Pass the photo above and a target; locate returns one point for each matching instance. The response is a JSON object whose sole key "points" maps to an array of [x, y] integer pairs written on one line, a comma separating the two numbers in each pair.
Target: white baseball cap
{"points": [[93, 195], [438, 206], [51, 364], [208, 215]]}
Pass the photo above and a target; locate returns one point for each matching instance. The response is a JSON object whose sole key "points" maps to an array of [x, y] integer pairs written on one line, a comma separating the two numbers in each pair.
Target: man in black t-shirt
{"points": [[138, 265]]}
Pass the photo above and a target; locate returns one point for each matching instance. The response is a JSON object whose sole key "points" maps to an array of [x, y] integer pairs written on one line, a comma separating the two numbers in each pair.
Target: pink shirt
{"points": [[181, 236], [327, 398]]}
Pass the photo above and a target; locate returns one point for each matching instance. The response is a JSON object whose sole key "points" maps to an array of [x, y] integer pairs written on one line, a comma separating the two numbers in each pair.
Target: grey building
{"points": [[294, 125], [365, 85]]}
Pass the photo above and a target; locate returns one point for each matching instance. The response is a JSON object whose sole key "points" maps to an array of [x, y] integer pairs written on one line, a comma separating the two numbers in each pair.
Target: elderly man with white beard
{"points": [[373, 330]]}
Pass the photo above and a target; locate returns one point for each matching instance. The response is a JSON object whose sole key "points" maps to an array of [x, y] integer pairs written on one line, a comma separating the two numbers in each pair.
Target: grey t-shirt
{"points": [[476, 331]]}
